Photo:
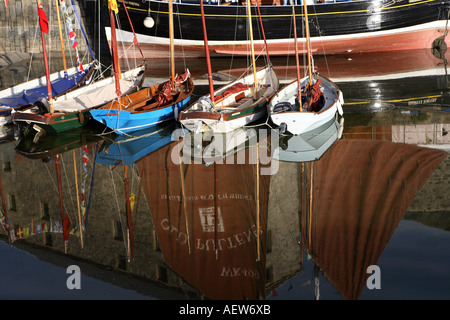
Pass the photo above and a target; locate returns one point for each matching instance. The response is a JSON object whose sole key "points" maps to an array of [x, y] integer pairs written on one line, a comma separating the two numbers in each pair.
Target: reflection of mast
{"points": [[64, 217], [5, 214]]}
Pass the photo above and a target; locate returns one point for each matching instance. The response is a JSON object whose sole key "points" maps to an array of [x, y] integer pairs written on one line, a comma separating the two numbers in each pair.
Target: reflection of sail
{"points": [[311, 145], [206, 222], [348, 223]]}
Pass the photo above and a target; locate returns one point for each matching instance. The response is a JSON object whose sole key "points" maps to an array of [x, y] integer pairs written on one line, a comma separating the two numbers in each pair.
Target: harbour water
{"points": [[368, 219]]}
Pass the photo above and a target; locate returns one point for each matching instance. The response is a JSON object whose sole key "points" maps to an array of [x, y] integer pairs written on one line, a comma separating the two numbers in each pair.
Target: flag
{"points": [[19, 233], [112, 5], [43, 22], [6, 3], [38, 228], [72, 34], [132, 197], [56, 227]]}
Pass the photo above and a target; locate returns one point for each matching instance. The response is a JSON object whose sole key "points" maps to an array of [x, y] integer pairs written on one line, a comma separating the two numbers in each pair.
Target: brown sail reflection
{"points": [[207, 219], [353, 199]]}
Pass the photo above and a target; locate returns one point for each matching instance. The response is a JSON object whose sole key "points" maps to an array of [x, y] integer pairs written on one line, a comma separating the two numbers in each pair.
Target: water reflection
{"points": [[210, 222], [145, 206], [348, 216]]}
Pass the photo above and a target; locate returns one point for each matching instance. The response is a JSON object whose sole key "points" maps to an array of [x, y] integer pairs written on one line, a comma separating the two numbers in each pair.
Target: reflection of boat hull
{"points": [[342, 27], [220, 147], [126, 150], [51, 145], [311, 145]]}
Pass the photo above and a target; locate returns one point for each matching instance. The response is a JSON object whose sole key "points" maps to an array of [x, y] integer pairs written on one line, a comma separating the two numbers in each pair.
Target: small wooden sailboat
{"points": [[236, 104], [22, 96], [71, 110], [148, 106], [320, 99]]}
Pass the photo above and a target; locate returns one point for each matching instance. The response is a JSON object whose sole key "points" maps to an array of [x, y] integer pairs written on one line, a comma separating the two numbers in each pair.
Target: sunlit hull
{"points": [[342, 27]]}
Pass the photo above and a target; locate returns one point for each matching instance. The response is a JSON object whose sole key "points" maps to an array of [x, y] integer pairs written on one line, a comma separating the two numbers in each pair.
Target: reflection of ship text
{"points": [[232, 272], [220, 196], [212, 244]]}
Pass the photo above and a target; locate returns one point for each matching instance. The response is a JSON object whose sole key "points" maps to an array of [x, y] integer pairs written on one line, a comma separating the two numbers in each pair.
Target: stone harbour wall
{"points": [[20, 32]]}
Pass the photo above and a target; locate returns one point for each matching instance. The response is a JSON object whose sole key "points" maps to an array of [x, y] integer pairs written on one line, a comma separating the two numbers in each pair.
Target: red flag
{"points": [[42, 19]]}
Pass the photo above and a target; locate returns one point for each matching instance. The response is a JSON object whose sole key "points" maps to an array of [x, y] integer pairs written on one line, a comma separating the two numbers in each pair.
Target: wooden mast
{"points": [[172, 63], [61, 37], [112, 6], [208, 60], [78, 198], [43, 22], [249, 17], [308, 44], [299, 88]]}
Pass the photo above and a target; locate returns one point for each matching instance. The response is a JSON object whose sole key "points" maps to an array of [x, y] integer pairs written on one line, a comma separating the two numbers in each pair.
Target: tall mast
{"points": [[208, 60], [61, 37], [299, 88], [43, 23], [308, 44], [112, 6], [172, 63], [249, 17]]}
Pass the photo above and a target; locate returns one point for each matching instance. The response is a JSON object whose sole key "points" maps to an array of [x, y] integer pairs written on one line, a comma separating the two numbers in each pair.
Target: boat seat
{"points": [[239, 103]]}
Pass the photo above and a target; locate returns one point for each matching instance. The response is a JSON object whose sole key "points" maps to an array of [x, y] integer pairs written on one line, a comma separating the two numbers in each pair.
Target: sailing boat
{"points": [[149, 106], [236, 104], [22, 96], [71, 110], [305, 104]]}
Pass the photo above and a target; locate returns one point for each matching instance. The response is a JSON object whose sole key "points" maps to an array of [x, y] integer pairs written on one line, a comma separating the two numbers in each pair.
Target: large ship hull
{"points": [[335, 28]]}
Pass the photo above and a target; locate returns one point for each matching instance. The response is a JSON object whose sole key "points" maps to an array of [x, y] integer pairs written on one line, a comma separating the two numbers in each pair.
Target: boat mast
{"points": [[262, 29], [299, 88], [112, 6], [308, 44], [61, 37], [43, 23], [208, 60], [249, 17], [172, 63]]}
